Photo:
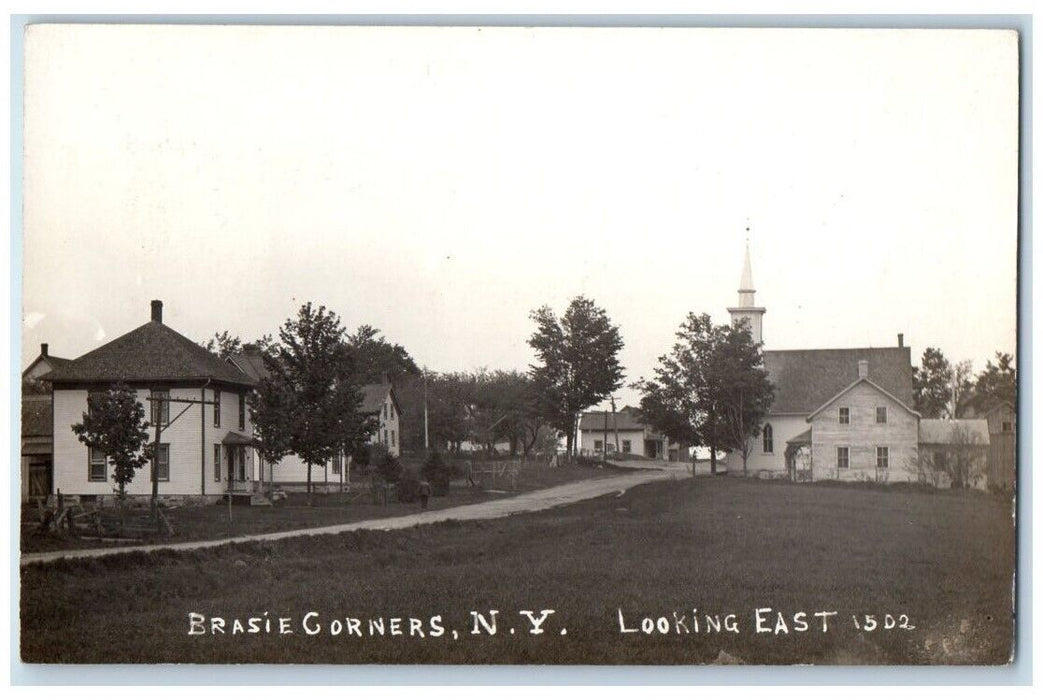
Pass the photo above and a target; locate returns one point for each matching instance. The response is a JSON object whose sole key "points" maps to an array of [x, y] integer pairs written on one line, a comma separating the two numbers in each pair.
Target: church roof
{"points": [[149, 353], [806, 379]]}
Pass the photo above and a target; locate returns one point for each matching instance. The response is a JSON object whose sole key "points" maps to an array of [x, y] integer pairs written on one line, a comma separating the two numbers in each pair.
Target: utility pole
{"points": [[615, 422], [427, 443]]}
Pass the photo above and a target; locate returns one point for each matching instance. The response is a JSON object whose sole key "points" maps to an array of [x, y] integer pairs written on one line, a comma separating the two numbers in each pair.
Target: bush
{"points": [[390, 469], [438, 473], [408, 488]]}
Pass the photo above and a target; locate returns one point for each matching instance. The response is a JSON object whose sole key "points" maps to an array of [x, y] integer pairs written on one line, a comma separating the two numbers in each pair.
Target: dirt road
{"points": [[522, 503]]}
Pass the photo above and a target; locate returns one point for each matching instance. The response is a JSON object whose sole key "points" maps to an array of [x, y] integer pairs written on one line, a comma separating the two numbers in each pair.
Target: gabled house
{"points": [[378, 401], [204, 447]]}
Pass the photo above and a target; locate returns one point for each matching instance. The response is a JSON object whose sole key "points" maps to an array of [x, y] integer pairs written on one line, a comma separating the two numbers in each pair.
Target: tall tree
{"points": [[375, 357], [961, 389], [309, 402], [711, 390], [578, 358], [997, 383], [932, 384], [115, 425]]}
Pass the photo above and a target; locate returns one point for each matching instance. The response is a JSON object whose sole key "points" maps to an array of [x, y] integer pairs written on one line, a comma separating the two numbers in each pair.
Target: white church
{"points": [[838, 413]]}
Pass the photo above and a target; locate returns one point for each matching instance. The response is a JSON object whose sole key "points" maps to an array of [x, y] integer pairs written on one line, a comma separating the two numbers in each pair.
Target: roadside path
{"points": [[543, 499]]}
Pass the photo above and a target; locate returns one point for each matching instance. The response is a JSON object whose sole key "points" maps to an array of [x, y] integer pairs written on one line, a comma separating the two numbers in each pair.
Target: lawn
{"points": [[723, 546], [193, 523]]}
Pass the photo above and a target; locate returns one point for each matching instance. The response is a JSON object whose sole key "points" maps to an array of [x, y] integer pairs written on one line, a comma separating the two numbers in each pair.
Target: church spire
{"points": [[747, 310], [746, 289]]}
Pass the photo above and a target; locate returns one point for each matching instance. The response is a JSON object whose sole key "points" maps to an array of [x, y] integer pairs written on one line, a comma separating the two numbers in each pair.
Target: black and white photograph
{"points": [[499, 345]]}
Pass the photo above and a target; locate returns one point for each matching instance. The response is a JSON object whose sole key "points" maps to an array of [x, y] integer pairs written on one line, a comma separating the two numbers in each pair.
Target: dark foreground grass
{"points": [[721, 546], [193, 523]]}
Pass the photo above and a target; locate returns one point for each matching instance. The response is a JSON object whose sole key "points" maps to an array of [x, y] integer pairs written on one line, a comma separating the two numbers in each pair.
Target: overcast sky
{"points": [[441, 183]]}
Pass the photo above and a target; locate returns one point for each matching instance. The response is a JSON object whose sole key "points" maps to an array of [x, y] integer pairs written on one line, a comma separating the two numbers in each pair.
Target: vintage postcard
{"points": [[519, 345]]}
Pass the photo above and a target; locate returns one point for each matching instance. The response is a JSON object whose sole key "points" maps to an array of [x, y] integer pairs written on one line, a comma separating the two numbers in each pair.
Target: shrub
{"points": [[390, 469], [438, 473], [408, 488]]}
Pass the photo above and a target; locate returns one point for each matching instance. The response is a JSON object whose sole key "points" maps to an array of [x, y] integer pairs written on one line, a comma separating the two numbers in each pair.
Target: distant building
{"points": [[599, 431], [1002, 420]]}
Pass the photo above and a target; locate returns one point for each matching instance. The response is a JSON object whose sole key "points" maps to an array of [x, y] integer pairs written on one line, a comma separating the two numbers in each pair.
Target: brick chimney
{"points": [[157, 311], [43, 349], [863, 369], [901, 340]]}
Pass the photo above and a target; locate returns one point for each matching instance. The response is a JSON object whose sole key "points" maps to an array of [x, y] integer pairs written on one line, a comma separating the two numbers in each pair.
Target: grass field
{"points": [[723, 546], [193, 523]]}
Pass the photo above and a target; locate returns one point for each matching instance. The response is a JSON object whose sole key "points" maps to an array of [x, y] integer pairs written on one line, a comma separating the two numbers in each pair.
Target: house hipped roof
{"points": [[150, 353], [965, 431], [806, 379]]}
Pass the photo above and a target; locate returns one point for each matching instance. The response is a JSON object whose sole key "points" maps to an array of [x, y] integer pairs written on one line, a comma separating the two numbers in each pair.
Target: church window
{"points": [[769, 439]]}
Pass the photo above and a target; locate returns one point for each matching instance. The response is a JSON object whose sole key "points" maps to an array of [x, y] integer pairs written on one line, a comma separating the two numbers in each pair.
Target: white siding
{"points": [[783, 428], [862, 435], [190, 469]]}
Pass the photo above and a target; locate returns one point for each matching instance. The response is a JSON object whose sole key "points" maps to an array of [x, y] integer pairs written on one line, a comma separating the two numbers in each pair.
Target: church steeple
{"points": [[747, 309]]}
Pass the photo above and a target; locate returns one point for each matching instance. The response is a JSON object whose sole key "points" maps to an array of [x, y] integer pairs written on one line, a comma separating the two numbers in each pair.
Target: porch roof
{"points": [[234, 438]]}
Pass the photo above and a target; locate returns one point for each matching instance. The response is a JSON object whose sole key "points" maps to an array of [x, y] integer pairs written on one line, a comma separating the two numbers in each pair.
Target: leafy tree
{"points": [[115, 424], [375, 357], [223, 344], [309, 402], [961, 389], [578, 358], [997, 383], [438, 473], [711, 390], [932, 384]]}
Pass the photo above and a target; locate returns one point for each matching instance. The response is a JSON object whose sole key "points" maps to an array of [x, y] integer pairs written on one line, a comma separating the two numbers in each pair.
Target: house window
{"points": [[843, 458], [240, 463], [939, 460], [386, 436], [845, 415], [882, 457], [217, 408], [336, 463], [97, 469], [769, 439], [385, 411], [597, 445], [242, 411], [161, 408], [626, 447], [391, 410], [163, 462], [881, 414], [217, 461], [1008, 426], [392, 438]]}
